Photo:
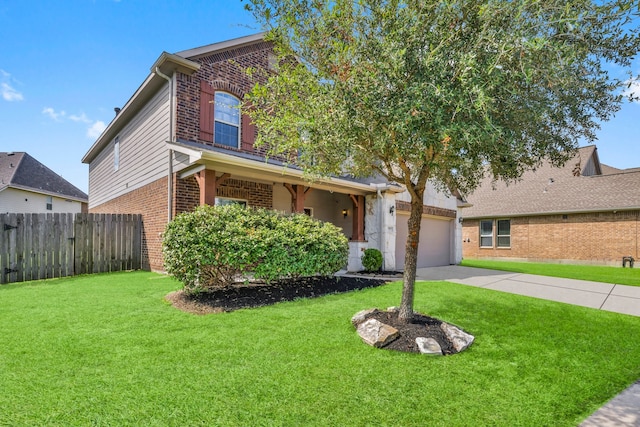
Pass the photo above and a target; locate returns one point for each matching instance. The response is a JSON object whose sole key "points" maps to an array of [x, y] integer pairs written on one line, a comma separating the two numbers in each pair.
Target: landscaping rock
{"points": [[459, 338], [376, 333], [429, 346], [361, 316]]}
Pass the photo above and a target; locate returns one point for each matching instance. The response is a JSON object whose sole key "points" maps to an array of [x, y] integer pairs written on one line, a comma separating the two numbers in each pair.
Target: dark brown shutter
{"points": [[248, 133], [207, 96]]}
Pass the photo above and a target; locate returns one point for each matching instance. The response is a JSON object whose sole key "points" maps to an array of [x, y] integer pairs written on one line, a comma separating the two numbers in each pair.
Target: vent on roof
{"points": [[10, 153]]}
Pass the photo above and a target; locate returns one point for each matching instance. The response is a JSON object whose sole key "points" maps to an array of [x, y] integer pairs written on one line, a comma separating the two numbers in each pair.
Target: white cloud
{"points": [[80, 118], [57, 116], [93, 131], [9, 93], [96, 129]]}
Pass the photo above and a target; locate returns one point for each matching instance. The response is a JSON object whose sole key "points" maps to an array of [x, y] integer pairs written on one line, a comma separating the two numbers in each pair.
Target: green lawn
{"points": [[594, 273], [106, 350]]}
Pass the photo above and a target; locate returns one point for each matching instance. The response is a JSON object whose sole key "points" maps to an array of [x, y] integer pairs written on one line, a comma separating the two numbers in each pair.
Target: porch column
{"points": [[298, 195], [208, 182], [358, 218]]}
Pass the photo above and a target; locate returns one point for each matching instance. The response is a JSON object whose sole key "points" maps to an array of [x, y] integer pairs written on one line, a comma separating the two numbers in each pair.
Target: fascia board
{"points": [[221, 46], [168, 64]]}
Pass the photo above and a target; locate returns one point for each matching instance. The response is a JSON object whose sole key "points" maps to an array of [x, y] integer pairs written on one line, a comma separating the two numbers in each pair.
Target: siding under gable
{"points": [[143, 156], [13, 200]]}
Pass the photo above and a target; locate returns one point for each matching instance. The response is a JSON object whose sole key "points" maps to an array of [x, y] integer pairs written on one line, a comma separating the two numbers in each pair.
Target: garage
{"points": [[435, 241]]}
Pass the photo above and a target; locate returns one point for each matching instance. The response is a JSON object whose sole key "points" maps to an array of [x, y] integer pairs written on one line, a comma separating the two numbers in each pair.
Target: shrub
{"points": [[216, 246], [372, 259]]}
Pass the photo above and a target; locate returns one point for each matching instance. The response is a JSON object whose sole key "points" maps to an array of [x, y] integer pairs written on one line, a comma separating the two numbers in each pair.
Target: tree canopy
{"points": [[441, 91]]}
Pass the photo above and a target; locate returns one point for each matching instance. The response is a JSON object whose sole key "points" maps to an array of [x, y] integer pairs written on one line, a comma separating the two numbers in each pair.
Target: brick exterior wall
{"points": [[151, 202], [600, 238], [187, 193], [256, 194], [225, 71]]}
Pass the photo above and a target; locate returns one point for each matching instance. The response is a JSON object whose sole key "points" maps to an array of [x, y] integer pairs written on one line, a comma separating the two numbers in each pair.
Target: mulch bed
{"points": [[253, 295]]}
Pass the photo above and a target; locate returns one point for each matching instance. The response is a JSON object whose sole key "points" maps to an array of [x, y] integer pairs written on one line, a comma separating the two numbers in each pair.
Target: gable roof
{"points": [[21, 171], [581, 185]]}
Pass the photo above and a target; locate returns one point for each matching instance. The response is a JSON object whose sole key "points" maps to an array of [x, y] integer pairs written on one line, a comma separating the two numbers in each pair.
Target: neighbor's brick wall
{"points": [[151, 202], [592, 238], [225, 71]]}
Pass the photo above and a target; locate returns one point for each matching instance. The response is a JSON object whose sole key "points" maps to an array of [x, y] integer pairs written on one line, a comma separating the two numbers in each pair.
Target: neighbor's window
{"points": [[49, 203], [222, 201], [116, 154], [486, 233], [503, 236], [227, 120]]}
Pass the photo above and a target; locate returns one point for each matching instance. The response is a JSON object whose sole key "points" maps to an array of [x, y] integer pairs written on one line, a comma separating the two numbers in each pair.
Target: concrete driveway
{"points": [[602, 296]]}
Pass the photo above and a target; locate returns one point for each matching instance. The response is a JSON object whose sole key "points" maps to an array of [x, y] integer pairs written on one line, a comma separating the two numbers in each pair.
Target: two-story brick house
{"points": [[181, 141]]}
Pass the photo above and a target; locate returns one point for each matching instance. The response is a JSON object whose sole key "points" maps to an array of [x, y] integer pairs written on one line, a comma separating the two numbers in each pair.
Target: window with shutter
{"points": [[226, 119]]}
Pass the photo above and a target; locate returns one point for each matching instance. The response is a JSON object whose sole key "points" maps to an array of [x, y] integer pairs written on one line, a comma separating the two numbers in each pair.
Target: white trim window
{"points": [[223, 201], [116, 153], [226, 115], [503, 233], [486, 233]]}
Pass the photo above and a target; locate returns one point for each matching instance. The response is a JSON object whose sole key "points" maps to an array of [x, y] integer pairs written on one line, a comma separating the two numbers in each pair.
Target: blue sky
{"points": [[64, 66]]}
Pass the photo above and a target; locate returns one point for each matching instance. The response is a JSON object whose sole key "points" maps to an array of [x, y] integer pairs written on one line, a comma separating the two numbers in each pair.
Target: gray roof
{"points": [[20, 170], [549, 190]]}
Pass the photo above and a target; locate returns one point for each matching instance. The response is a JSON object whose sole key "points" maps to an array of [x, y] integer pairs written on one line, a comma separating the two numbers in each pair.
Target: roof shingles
{"points": [[20, 170], [550, 190]]}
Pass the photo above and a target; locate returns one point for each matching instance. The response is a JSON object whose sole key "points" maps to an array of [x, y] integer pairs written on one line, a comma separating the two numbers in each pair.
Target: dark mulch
{"points": [[254, 295], [420, 326]]}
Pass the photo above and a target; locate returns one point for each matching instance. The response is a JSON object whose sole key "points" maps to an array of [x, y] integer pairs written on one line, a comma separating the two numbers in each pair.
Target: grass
{"points": [[594, 273], [107, 350]]}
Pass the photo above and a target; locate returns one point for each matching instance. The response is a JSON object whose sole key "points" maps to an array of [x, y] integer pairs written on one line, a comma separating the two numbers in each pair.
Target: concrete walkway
{"points": [[622, 410], [603, 296]]}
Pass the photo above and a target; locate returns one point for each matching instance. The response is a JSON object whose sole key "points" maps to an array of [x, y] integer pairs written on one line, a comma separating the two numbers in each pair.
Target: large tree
{"points": [[440, 91]]}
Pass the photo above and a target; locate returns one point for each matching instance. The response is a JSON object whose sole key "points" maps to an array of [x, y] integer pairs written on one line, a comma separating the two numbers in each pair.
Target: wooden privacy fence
{"points": [[43, 246]]}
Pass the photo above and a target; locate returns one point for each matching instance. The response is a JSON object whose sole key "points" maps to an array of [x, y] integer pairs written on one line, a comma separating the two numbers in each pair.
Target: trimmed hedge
{"points": [[217, 246]]}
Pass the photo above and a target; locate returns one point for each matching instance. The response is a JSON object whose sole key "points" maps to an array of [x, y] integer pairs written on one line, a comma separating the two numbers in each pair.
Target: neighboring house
{"points": [[584, 212], [180, 142], [28, 186]]}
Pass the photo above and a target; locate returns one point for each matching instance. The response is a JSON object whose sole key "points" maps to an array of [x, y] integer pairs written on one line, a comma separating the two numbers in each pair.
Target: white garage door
{"points": [[434, 248]]}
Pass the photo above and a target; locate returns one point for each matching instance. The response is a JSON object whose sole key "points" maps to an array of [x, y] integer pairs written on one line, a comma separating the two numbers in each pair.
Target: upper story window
{"points": [[116, 153], [227, 120], [49, 203]]}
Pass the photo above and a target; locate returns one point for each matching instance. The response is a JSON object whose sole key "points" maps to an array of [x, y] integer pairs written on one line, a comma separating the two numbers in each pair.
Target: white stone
{"points": [[393, 309], [376, 333], [361, 316], [429, 346], [459, 338]]}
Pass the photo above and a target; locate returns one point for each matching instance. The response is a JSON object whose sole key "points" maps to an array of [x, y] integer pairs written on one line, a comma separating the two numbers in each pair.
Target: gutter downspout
{"points": [[171, 139]]}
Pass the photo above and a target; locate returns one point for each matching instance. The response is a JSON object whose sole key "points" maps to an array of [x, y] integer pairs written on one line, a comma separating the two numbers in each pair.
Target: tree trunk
{"points": [[411, 258]]}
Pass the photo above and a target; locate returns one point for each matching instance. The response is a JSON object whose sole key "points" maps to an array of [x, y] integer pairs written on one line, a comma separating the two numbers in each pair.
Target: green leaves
{"points": [[218, 246], [380, 82]]}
